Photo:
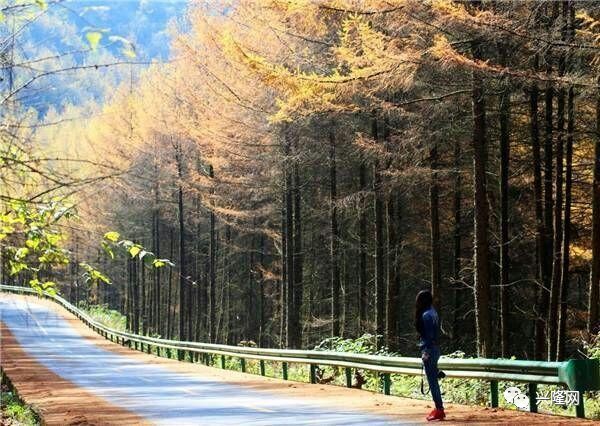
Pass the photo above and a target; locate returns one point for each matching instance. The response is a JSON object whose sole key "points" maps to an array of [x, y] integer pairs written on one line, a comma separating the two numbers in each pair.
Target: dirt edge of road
{"points": [[58, 401], [406, 409]]}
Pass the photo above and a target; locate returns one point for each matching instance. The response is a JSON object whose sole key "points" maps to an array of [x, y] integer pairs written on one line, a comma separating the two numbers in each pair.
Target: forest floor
{"points": [[61, 402]]}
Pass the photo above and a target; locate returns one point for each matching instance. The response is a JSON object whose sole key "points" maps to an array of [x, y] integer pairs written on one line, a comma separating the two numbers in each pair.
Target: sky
{"points": [[88, 32]]}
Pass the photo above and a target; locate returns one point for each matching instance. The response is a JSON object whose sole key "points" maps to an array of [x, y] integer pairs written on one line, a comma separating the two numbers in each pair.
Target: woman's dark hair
{"points": [[423, 302]]}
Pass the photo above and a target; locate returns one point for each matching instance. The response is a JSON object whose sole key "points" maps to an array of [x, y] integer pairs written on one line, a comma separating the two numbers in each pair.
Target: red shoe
{"points": [[436, 415]]}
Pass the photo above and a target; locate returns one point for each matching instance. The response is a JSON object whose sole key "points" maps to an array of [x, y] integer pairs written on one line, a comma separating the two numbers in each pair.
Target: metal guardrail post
{"points": [[243, 364], [348, 371], [313, 373], [223, 362], [494, 393], [581, 375], [284, 369], [533, 397], [387, 383], [262, 367]]}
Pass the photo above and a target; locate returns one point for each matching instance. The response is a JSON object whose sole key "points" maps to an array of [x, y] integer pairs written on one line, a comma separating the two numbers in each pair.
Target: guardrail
{"points": [[578, 375]]}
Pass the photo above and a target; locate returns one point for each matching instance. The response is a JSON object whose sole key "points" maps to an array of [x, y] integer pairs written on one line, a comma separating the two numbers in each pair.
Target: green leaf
{"points": [[42, 4], [32, 243], [48, 285], [21, 253], [108, 249], [16, 267], [93, 38], [159, 263], [112, 236], [134, 250]]}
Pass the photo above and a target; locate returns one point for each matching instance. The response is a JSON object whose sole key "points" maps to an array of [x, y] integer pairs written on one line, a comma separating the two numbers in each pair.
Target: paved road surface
{"points": [[154, 392]]}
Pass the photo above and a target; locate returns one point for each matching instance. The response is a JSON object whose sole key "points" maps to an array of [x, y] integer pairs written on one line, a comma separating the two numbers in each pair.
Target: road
{"points": [[152, 391], [75, 377]]}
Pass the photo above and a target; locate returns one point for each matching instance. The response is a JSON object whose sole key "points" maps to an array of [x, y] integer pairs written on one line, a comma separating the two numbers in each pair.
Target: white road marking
{"points": [[256, 408]]}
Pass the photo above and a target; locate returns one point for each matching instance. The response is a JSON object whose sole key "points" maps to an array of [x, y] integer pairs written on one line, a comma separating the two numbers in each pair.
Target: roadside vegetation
{"points": [[13, 411], [102, 313]]}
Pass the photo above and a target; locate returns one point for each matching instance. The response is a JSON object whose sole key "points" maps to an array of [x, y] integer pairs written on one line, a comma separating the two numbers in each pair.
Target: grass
{"points": [[14, 411], [105, 315]]}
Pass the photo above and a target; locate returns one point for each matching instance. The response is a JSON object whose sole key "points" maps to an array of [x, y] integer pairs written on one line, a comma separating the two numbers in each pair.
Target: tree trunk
{"points": [[566, 239], [261, 293], [284, 279], [434, 226], [157, 320], [593, 324], [552, 325], [540, 235], [170, 303], [212, 274], [362, 247], [334, 243], [504, 217], [481, 225], [393, 284], [548, 201], [569, 18], [182, 251], [380, 304], [457, 237], [298, 258], [290, 250], [135, 296]]}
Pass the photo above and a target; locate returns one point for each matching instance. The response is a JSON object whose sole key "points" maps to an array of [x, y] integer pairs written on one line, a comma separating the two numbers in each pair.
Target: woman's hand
{"points": [[425, 356]]}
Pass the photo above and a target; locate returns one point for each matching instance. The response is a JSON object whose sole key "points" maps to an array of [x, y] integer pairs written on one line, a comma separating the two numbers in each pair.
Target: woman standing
{"points": [[427, 323]]}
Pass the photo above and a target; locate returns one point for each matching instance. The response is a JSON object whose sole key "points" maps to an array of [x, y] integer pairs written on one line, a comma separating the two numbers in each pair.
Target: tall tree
{"points": [[593, 324], [504, 214], [481, 242], [334, 239]]}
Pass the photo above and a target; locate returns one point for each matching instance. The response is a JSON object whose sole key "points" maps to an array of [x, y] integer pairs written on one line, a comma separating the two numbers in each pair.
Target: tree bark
{"points": [[481, 225], [212, 274], [552, 325], [298, 257], [569, 17], [540, 234], [566, 238], [457, 237], [290, 250], [182, 248], [393, 283], [434, 225], [334, 242], [362, 247], [593, 324], [504, 217], [380, 304], [170, 303]]}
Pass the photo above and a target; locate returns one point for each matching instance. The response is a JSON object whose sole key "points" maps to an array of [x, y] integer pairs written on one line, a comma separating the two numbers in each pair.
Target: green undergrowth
{"points": [[103, 314], [14, 412]]}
